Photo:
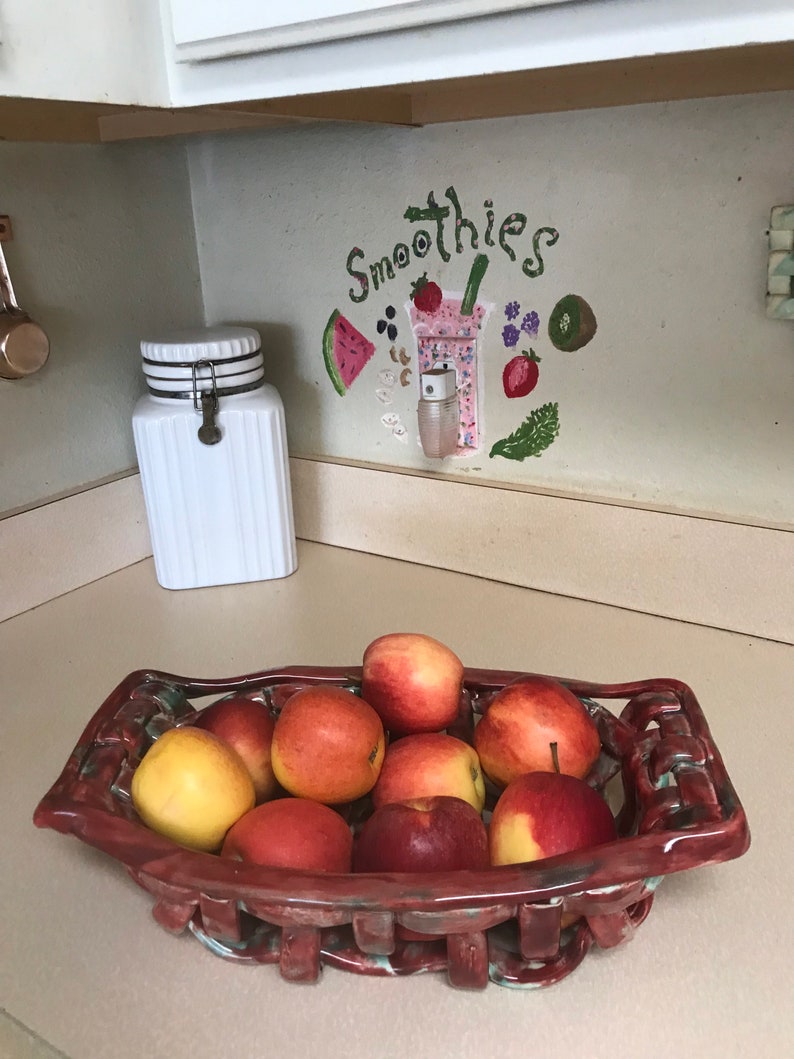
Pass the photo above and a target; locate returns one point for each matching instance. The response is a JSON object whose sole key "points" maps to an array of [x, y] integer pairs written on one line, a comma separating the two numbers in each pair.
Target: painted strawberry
{"points": [[426, 295], [520, 375]]}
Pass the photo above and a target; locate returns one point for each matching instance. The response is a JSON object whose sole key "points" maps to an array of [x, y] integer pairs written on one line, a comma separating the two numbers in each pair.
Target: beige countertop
{"points": [[84, 966]]}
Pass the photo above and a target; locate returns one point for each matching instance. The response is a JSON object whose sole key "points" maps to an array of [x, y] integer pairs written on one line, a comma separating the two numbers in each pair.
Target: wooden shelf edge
{"points": [[691, 75], [61, 121], [586, 86]]}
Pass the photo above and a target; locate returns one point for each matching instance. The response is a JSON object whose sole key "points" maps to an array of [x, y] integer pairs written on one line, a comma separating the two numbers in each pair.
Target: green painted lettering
{"points": [[436, 213], [531, 269], [461, 222], [421, 243], [357, 296], [401, 255], [381, 271], [489, 214], [512, 225]]}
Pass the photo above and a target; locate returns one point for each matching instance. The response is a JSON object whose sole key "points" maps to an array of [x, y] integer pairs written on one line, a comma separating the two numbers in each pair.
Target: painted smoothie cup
{"points": [[449, 334]]}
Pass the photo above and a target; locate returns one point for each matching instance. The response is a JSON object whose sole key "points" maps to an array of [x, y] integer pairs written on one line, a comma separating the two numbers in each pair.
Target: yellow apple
{"points": [[191, 787]]}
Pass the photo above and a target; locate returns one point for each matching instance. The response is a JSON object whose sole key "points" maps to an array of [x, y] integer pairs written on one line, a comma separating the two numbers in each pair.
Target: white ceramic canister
{"points": [[212, 451]]}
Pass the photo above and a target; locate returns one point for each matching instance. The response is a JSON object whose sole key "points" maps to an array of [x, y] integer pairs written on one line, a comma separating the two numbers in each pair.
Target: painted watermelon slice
{"points": [[345, 350]]}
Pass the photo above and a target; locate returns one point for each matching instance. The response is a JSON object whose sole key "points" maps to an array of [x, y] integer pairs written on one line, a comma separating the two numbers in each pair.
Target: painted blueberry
{"points": [[531, 324], [510, 335], [385, 325]]}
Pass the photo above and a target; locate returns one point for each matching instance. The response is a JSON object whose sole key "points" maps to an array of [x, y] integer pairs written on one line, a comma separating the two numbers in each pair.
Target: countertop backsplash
{"points": [[660, 382]]}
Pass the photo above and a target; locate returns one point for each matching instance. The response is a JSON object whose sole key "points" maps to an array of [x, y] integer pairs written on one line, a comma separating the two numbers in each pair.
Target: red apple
{"points": [[247, 726], [421, 766], [523, 721], [292, 833], [413, 681], [423, 834], [328, 745], [543, 814]]}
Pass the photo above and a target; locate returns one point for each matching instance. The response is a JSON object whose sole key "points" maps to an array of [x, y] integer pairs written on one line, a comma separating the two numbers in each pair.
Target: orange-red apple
{"points": [[543, 814], [247, 726], [292, 833], [328, 745], [422, 766], [423, 834], [516, 733], [413, 681]]}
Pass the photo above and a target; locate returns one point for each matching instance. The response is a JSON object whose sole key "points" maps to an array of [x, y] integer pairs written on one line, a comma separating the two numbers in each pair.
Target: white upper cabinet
{"points": [[191, 53], [206, 29], [249, 49], [98, 51]]}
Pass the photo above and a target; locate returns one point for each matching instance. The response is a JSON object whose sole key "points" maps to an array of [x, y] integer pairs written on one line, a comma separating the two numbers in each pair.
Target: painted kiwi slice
{"points": [[572, 323]]}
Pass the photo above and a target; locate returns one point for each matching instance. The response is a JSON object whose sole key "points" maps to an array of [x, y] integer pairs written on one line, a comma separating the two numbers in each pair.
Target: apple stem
{"points": [[554, 758]]}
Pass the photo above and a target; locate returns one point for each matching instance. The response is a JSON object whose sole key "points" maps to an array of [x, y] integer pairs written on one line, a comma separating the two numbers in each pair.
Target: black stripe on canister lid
{"points": [[191, 363], [221, 391]]}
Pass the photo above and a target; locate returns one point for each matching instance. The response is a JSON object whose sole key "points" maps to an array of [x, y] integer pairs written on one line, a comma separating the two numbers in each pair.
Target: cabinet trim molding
{"points": [[203, 29]]}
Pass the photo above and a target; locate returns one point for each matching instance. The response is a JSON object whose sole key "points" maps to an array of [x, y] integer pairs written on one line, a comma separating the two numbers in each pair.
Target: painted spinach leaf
{"points": [[534, 436]]}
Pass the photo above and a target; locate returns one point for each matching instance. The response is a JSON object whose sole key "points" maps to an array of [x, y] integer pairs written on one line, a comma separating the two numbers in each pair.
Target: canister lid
{"points": [[226, 359], [206, 343]]}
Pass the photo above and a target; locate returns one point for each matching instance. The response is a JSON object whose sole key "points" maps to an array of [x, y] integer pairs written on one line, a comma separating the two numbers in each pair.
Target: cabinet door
{"points": [[98, 51], [207, 29]]}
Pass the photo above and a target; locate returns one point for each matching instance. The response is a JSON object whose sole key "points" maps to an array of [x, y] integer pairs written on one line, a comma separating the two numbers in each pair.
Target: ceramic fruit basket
{"points": [[678, 810]]}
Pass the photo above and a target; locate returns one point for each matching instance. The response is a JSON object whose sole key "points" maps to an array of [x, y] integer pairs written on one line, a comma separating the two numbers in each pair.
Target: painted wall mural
{"points": [[521, 374], [443, 329], [572, 323], [346, 352]]}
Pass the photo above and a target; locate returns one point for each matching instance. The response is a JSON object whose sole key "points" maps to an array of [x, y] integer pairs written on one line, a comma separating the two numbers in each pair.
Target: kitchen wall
{"points": [[103, 253], [684, 397]]}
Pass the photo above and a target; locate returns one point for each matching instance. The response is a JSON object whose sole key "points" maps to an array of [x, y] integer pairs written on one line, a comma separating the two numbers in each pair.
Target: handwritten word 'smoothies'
{"points": [[448, 228]]}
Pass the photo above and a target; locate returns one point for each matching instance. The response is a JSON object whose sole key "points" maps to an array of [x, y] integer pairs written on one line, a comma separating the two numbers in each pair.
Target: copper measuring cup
{"points": [[24, 347]]}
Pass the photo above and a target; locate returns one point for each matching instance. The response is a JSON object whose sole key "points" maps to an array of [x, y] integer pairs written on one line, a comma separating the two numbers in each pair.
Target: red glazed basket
{"points": [[679, 811]]}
